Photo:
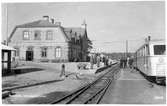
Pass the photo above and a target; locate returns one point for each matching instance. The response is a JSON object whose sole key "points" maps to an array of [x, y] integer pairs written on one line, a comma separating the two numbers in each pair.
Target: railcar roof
{"points": [[154, 41]]}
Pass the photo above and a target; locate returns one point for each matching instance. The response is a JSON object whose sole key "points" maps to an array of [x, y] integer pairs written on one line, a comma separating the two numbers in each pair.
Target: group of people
{"points": [[126, 62], [97, 59]]}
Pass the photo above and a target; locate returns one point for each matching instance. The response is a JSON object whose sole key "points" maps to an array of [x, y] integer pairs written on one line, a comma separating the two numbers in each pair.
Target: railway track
{"points": [[91, 93]]}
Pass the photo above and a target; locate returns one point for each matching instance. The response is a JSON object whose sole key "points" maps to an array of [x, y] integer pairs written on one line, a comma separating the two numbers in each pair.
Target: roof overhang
{"points": [[4, 47]]}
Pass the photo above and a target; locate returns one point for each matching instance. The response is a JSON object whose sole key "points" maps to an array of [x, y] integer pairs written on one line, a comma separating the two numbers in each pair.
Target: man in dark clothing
{"points": [[130, 63], [106, 61], [121, 63], [125, 62], [91, 61]]}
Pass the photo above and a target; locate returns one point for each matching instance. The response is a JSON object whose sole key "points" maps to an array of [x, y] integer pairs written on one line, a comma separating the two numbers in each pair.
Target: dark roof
{"points": [[74, 31]]}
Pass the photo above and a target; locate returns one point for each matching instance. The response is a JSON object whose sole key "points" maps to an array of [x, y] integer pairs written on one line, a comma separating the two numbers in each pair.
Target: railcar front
{"points": [[157, 61]]}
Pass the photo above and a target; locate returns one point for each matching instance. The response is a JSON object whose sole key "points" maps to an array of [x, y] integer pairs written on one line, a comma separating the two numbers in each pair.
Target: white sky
{"points": [[109, 24]]}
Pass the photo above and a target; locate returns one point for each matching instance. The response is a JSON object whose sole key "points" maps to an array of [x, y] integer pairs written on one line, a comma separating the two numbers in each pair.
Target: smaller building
{"points": [[7, 58]]}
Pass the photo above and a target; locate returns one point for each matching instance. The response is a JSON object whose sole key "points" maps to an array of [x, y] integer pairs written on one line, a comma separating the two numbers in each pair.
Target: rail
{"points": [[92, 92]]}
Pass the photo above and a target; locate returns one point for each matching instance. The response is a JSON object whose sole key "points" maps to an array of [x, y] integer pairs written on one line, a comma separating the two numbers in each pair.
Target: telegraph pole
{"points": [[126, 48], [7, 24]]}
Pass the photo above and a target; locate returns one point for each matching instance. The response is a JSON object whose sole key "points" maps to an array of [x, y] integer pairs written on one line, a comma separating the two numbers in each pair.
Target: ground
{"points": [[130, 87], [133, 88], [45, 92]]}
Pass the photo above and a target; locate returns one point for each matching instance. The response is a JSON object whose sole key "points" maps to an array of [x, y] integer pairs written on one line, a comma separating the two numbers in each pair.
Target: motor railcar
{"points": [[150, 60]]}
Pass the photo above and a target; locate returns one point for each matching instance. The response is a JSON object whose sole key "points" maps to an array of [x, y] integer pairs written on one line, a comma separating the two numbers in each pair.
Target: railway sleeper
{"points": [[98, 93]]}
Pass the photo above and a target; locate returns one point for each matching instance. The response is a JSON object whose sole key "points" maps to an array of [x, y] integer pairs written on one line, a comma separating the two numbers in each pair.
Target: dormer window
{"points": [[26, 35], [49, 35], [37, 35]]}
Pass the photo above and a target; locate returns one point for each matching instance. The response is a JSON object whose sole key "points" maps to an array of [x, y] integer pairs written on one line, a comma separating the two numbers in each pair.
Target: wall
{"points": [[58, 40], [69, 67]]}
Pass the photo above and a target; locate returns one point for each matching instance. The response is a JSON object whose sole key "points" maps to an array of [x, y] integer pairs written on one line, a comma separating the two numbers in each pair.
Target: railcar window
{"points": [[159, 50]]}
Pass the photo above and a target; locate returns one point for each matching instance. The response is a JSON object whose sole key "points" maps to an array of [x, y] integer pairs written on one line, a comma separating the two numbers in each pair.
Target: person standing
{"points": [[130, 63], [121, 63], [98, 61], [62, 74], [91, 61], [127, 62], [106, 61]]}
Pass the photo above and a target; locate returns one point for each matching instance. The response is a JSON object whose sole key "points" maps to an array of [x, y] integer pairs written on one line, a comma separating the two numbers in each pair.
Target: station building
{"points": [[47, 40]]}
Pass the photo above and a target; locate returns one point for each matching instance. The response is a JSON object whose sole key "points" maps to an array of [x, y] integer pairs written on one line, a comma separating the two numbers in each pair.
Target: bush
{"points": [[54, 61], [82, 66], [44, 60], [59, 60]]}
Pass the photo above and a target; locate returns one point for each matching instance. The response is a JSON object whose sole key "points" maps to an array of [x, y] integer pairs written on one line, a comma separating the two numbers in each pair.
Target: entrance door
{"points": [[29, 55]]}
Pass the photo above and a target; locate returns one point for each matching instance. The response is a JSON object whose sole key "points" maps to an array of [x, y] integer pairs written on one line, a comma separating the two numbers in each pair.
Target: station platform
{"points": [[132, 88], [41, 87]]}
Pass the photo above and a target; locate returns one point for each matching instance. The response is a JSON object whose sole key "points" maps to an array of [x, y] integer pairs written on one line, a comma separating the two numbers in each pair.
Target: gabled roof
{"points": [[69, 32], [78, 30], [39, 23], [74, 31]]}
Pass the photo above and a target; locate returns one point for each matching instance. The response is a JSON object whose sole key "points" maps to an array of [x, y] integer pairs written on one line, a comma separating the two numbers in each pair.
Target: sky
{"points": [[109, 24]]}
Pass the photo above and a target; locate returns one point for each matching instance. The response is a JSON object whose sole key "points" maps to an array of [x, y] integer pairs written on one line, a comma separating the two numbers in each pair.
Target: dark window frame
{"points": [[44, 52], [159, 49]]}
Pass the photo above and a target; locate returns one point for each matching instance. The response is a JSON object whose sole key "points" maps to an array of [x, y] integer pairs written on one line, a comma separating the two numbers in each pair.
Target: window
{"points": [[44, 52], [140, 52], [145, 50], [37, 35], [26, 35], [159, 50], [143, 54], [49, 35], [58, 52]]}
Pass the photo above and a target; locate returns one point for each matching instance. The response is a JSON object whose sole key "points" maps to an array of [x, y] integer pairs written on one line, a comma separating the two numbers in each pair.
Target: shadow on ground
{"points": [[47, 98], [29, 85], [22, 71], [153, 80]]}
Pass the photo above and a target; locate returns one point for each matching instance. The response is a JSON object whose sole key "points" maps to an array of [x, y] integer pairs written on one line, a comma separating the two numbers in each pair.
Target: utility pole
{"points": [[7, 24], [126, 48]]}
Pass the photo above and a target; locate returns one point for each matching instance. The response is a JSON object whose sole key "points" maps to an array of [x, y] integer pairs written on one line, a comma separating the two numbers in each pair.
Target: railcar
{"points": [[150, 60]]}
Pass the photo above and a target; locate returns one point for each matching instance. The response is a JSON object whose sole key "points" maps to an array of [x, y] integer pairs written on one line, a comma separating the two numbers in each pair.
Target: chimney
{"points": [[149, 38], [58, 23], [52, 20], [46, 17]]}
